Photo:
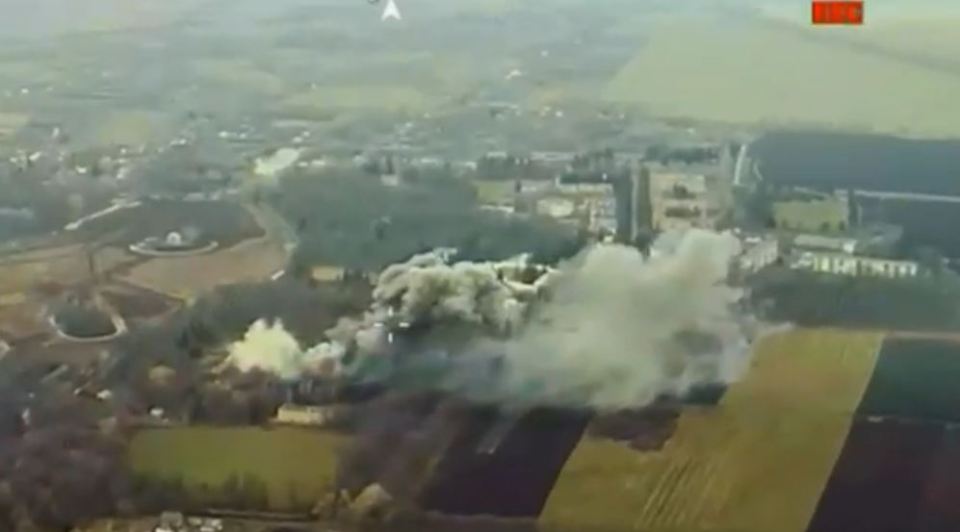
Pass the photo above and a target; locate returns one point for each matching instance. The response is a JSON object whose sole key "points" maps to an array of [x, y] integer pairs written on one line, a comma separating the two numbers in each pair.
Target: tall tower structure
{"points": [[641, 207]]}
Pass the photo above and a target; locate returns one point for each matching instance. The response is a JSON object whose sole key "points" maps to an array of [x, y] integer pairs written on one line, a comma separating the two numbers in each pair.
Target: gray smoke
{"points": [[476, 299], [608, 329], [466, 299], [620, 330]]}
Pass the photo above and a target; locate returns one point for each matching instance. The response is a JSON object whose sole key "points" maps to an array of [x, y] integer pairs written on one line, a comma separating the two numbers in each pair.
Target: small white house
{"points": [[556, 207], [758, 253], [293, 414]]}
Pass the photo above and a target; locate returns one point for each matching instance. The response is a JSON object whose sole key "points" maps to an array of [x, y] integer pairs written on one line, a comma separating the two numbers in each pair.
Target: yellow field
{"points": [[129, 127], [116, 15], [11, 122], [493, 191], [20, 321], [770, 75], [560, 94], [933, 37], [29, 72], [119, 525], [21, 315], [757, 462], [186, 277], [12, 298], [240, 73], [389, 97], [63, 265]]}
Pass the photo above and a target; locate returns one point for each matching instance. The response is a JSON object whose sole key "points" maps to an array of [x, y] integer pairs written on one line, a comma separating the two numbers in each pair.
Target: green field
{"points": [[294, 463]]}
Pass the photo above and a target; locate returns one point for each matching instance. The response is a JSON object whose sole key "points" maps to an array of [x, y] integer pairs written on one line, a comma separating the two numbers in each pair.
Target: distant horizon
{"points": [[45, 18]]}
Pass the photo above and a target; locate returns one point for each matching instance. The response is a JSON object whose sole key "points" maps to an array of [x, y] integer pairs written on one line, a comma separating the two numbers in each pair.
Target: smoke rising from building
{"points": [[620, 330], [269, 347], [475, 299], [608, 329]]}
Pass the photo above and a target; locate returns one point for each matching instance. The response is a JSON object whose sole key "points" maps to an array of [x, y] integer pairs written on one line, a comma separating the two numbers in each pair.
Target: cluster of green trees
{"points": [[52, 204], [179, 170], [593, 160], [854, 160], [349, 219], [923, 303], [225, 313], [244, 492], [665, 154], [83, 320], [510, 167], [59, 469]]}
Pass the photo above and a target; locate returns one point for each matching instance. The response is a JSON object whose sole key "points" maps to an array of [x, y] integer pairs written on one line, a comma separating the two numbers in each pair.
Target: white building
{"points": [[391, 180], [854, 265], [758, 253], [681, 201], [826, 243], [277, 162], [293, 414], [556, 207], [599, 188], [501, 208], [603, 215], [552, 157]]}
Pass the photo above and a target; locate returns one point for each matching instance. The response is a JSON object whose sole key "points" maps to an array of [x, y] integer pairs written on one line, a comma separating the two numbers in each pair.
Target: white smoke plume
{"points": [[620, 330], [608, 329], [269, 347], [426, 291]]}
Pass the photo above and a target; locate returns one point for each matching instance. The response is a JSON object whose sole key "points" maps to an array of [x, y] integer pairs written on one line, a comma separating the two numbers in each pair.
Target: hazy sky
{"points": [[40, 18]]}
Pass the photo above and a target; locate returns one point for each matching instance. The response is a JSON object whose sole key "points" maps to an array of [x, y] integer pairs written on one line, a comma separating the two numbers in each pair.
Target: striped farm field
{"points": [[758, 461], [899, 466], [881, 479]]}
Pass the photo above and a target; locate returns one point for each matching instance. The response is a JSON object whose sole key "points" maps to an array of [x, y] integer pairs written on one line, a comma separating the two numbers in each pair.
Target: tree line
{"points": [[812, 299], [351, 220]]}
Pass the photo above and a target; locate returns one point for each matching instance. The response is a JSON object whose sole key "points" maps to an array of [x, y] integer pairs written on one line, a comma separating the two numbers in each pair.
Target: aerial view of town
{"points": [[478, 265]]}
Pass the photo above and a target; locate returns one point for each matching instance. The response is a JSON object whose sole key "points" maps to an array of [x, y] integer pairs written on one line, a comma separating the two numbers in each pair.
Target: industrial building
{"points": [[758, 253], [641, 210], [294, 414], [683, 200], [823, 243], [875, 240], [556, 207], [828, 213], [854, 265]]}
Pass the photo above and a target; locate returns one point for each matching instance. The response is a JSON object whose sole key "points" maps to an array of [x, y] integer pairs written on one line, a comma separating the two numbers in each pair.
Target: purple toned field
{"points": [[510, 474], [878, 483]]}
